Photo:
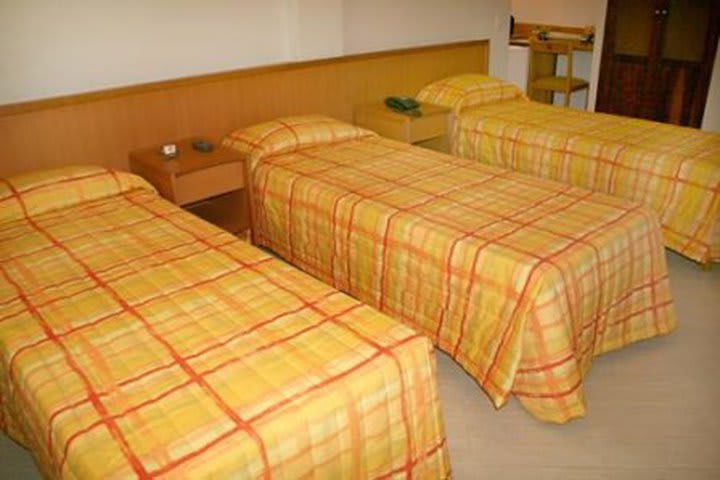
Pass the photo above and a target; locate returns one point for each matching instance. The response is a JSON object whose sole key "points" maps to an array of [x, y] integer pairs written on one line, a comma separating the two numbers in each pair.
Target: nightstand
{"points": [[430, 130], [211, 185]]}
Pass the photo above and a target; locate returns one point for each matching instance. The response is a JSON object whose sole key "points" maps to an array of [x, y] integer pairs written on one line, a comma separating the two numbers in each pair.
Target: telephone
{"points": [[406, 105], [202, 146]]}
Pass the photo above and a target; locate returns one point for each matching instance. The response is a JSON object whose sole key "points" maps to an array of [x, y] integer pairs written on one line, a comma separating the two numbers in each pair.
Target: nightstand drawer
{"points": [[430, 129], [208, 182], [426, 127], [384, 124]]}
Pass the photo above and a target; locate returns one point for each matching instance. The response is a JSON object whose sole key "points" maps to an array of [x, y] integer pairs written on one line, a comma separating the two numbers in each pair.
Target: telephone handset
{"points": [[405, 105]]}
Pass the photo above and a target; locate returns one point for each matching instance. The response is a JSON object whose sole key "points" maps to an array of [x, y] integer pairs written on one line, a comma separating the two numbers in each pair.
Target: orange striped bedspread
{"points": [[522, 280], [138, 341], [673, 170]]}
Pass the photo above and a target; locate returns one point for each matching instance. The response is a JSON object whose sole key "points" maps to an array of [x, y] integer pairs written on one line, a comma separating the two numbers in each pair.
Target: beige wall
{"points": [[50, 48], [559, 12]]}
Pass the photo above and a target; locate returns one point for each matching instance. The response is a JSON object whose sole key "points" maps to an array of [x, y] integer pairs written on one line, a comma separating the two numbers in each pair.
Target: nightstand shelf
{"points": [[210, 185], [430, 130], [222, 211]]}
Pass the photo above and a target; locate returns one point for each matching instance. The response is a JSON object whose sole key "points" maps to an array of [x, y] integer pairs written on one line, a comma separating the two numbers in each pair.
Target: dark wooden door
{"points": [[657, 59]]}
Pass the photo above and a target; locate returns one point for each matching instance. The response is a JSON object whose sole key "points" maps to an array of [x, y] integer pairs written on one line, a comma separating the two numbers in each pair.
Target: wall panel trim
{"points": [[100, 127]]}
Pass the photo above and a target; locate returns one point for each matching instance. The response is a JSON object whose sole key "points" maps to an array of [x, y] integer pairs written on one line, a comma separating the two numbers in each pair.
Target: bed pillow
{"points": [[463, 91], [45, 190], [290, 134]]}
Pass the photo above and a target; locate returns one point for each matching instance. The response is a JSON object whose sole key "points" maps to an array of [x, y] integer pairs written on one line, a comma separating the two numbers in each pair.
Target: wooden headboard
{"points": [[101, 127]]}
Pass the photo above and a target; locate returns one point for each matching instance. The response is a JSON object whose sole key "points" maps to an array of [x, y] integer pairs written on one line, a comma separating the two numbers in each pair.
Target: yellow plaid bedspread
{"points": [[522, 280], [673, 170], [138, 341]]}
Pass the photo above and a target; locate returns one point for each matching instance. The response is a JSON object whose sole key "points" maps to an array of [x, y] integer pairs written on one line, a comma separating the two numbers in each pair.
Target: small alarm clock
{"points": [[169, 150]]}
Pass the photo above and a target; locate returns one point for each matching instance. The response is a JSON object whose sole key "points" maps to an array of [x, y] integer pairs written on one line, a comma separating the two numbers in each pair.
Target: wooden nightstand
{"points": [[431, 130], [210, 185]]}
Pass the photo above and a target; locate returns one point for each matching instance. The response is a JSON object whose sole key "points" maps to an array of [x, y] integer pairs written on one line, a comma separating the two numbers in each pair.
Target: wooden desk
{"points": [[523, 31], [577, 45], [545, 64]]}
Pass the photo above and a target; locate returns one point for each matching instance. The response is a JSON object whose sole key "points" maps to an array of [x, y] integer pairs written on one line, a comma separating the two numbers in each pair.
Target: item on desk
{"points": [[169, 150], [405, 105], [202, 146]]}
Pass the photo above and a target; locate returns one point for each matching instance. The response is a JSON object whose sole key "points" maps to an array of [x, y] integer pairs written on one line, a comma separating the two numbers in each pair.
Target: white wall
{"points": [[711, 118], [316, 29], [381, 24], [50, 48], [517, 66]]}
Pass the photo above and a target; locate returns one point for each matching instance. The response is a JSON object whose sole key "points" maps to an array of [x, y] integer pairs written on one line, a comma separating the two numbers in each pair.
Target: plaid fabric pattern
{"points": [[292, 133], [65, 186], [673, 170], [464, 91], [520, 279], [138, 341]]}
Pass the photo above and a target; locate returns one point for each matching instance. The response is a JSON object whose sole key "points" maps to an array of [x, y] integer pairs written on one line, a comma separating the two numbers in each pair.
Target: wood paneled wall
{"points": [[102, 127]]}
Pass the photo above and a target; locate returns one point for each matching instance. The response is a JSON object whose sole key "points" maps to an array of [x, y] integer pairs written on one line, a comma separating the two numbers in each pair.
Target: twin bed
{"points": [[138, 341], [674, 171], [135, 339], [521, 280]]}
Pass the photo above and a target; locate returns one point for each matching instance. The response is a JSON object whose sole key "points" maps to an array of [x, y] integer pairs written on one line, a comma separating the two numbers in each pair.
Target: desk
{"points": [[546, 64], [577, 45], [522, 32]]}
